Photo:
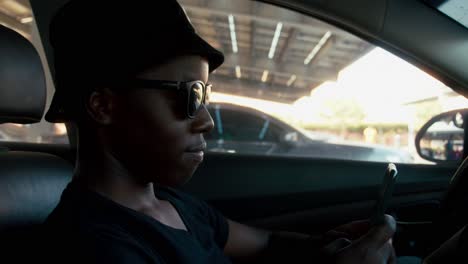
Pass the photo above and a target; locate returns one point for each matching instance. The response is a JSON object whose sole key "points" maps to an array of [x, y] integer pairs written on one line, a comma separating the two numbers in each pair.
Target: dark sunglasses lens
{"points": [[196, 98]]}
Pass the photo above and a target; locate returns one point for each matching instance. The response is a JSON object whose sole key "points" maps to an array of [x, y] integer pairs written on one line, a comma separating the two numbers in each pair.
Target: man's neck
{"points": [[103, 173]]}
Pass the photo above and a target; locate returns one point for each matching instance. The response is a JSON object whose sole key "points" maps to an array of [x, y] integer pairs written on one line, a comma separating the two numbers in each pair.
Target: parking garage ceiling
{"points": [[277, 54], [271, 53]]}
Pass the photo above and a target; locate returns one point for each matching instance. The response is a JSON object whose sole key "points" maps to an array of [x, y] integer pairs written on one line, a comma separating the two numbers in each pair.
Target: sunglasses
{"points": [[196, 92]]}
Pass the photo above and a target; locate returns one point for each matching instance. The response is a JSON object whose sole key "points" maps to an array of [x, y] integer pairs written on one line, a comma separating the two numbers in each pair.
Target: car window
{"points": [[17, 15], [340, 94], [256, 126]]}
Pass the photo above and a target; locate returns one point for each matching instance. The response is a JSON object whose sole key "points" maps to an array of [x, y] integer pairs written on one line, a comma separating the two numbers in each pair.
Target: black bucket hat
{"points": [[105, 41]]}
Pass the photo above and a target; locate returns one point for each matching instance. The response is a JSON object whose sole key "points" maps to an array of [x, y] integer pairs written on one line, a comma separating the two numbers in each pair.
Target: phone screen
{"points": [[385, 194]]}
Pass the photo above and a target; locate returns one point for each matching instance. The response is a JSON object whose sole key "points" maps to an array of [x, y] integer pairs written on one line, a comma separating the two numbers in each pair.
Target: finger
{"points": [[333, 235], [393, 258], [336, 246], [355, 229], [378, 235], [388, 253]]}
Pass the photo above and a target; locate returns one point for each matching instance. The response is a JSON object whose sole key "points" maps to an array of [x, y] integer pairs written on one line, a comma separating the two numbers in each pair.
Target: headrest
{"points": [[22, 80]]}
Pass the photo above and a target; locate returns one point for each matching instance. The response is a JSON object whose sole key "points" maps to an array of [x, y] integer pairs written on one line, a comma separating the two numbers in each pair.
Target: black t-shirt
{"points": [[86, 227]]}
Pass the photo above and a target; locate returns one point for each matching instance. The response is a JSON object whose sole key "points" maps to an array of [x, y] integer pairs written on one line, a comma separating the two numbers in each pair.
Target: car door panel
{"points": [[304, 194], [320, 219]]}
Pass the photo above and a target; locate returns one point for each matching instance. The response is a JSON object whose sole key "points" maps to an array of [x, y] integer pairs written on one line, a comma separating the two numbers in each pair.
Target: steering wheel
{"points": [[453, 214], [449, 233]]}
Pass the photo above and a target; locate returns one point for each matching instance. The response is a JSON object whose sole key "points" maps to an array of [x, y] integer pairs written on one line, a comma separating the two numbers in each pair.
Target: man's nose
{"points": [[202, 123]]}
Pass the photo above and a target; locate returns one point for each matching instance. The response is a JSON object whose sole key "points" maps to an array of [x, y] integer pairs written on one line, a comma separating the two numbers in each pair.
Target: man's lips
{"points": [[196, 152], [197, 148]]}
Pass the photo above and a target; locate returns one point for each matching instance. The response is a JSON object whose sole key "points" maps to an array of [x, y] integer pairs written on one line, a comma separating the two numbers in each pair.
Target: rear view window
{"points": [[17, 15], [35, 133]]}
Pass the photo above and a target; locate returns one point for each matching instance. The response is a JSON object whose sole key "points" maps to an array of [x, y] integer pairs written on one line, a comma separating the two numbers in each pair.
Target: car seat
{"points": [[30, 182]]}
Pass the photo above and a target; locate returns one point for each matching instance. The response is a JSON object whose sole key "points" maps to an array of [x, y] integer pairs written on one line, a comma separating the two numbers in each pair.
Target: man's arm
{"points": [[245, 241], [249, 243], [347, 246]]}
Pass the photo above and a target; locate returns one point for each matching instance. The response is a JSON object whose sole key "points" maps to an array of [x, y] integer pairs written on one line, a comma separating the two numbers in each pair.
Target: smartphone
{"points": [[385, 194]]}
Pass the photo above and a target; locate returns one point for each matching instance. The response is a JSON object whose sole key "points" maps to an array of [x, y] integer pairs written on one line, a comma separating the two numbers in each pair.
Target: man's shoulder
{"points": [[93, 243], [81, 220]]}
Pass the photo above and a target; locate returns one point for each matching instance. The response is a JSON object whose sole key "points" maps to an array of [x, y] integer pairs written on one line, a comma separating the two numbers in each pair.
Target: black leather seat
{"points": [[30, 182]]}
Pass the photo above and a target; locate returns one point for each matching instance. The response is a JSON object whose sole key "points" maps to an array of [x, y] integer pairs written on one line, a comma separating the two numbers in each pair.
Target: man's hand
{"points": [[350, 231], [358, 242]]}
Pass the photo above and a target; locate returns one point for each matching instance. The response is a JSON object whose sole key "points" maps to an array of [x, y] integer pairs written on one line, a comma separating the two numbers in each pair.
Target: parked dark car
{"points": [[245, 130]]}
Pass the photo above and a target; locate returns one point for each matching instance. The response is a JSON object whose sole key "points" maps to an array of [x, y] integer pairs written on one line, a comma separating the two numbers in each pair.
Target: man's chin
{"points": [[183, 180], [177, 180]]}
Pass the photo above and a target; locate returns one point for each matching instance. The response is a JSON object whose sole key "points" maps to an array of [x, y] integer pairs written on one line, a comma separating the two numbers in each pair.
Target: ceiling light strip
{"points": [[317, 48], [265, 76], [232, 28], [291, 80], [274, 42], [238, 72], [26, 20]]}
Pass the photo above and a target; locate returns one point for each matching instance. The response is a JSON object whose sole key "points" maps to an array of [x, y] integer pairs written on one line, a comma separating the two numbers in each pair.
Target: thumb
{"points": [[378, 235], [336, 246]]}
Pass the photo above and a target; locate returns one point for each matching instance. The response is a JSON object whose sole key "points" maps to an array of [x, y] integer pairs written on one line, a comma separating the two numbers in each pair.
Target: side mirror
{"points": [[290, 138], [442, 138]]}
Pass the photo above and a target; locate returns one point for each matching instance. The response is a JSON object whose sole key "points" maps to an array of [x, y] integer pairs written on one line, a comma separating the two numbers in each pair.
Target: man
{"points": [[133, 78]]}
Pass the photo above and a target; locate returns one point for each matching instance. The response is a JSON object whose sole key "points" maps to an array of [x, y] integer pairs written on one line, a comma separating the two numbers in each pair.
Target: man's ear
{"points": [[101, 106]]}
